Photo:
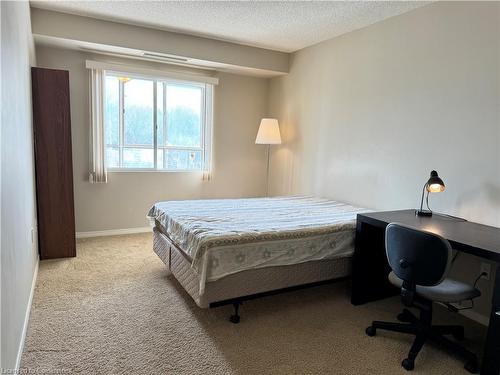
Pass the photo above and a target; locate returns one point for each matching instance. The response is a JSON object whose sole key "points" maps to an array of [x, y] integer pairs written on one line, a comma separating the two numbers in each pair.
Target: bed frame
{"points": [[245, 285]]}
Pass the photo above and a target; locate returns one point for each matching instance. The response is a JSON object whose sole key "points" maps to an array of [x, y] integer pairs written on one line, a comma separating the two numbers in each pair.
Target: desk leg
{"points": [[491, 357], [369, 265]]}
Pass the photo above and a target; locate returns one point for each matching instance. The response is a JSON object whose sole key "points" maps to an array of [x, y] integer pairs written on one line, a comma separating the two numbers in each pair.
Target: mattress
{"points": [[226, 236]]}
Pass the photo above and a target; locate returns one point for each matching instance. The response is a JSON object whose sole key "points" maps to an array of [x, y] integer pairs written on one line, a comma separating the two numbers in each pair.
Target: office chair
{"points": [[420, 262]]}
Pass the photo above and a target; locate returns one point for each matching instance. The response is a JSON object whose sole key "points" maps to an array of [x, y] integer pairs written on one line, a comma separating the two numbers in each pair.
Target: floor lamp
{"points": [[268, 134]]}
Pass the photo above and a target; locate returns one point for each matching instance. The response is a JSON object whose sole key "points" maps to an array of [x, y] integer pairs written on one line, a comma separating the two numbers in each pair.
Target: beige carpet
{"points": [[115, 310]]}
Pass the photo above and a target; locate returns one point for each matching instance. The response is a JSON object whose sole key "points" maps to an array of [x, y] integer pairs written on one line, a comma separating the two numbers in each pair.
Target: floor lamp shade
{"points": [[269, 132]]}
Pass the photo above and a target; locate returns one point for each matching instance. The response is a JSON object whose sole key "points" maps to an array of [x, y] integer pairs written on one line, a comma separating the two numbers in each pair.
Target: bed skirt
{"points": [[245, 283]]}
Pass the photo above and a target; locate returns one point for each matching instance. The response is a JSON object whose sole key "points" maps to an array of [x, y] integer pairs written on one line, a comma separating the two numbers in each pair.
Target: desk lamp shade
{"points": [[269, 132], [435, 184]]}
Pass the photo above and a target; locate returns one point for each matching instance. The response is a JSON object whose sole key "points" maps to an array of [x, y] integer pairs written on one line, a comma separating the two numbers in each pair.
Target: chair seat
{"points": [[447, 291]]}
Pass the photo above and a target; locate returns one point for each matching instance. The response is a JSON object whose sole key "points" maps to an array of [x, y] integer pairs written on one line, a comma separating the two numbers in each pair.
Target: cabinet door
{"points": [[53, 163]]}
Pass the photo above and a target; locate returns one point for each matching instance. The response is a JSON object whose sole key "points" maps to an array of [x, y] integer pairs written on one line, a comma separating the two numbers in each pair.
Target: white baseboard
{"points": [[471, 314], [113, 232], [26, 319]]}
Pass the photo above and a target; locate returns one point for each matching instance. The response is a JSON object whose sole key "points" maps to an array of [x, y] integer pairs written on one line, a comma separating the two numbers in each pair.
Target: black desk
{"points": [[370, 267]]}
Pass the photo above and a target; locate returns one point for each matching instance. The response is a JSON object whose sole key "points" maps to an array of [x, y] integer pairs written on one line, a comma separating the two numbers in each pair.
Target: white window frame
{"points": [[206, 120]]}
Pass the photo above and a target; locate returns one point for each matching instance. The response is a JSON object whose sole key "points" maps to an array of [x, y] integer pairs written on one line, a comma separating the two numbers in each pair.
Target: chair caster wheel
{"points": [[234, 319], [472, 367], [408, 364], [371, 331]]}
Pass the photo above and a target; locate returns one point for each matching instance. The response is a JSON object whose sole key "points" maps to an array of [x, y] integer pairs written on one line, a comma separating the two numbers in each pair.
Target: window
{"points": [[156, 123]]}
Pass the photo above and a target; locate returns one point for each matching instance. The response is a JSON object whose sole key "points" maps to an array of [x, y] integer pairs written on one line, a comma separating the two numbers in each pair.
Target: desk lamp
{"points": [[433, 185]]}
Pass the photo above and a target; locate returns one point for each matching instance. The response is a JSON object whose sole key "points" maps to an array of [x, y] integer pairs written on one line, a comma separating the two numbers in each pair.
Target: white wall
{"points": [[238, 164], [19, 256], [367, 115]]}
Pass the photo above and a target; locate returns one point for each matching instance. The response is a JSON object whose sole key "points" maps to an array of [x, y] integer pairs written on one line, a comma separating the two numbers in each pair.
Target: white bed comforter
{"points": [[225, 236]]}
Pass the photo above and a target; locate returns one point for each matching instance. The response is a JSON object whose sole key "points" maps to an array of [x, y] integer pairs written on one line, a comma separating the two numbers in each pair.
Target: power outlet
{"points": [[486, 269]]}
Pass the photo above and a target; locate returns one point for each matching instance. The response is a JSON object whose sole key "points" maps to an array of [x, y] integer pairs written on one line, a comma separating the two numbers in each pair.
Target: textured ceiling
{"points": [[279, 25]]}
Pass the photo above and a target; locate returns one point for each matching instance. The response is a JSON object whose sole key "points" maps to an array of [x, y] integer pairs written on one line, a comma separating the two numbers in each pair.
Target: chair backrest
{"points": [[415, 256]]}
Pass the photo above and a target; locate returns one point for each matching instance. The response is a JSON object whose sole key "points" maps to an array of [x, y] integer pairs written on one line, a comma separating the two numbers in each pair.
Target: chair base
{"points": [[424, 331]]}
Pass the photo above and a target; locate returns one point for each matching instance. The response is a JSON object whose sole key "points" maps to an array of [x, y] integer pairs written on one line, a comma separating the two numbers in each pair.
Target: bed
{"points": [[228, 250]]}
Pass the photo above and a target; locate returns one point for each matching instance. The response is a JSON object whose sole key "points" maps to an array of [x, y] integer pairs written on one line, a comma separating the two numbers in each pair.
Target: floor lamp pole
{"points": [[268, 162]]}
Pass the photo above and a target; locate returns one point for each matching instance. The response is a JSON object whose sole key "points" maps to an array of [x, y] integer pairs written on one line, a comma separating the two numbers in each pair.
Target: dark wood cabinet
{"points": [[53, 163]]}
